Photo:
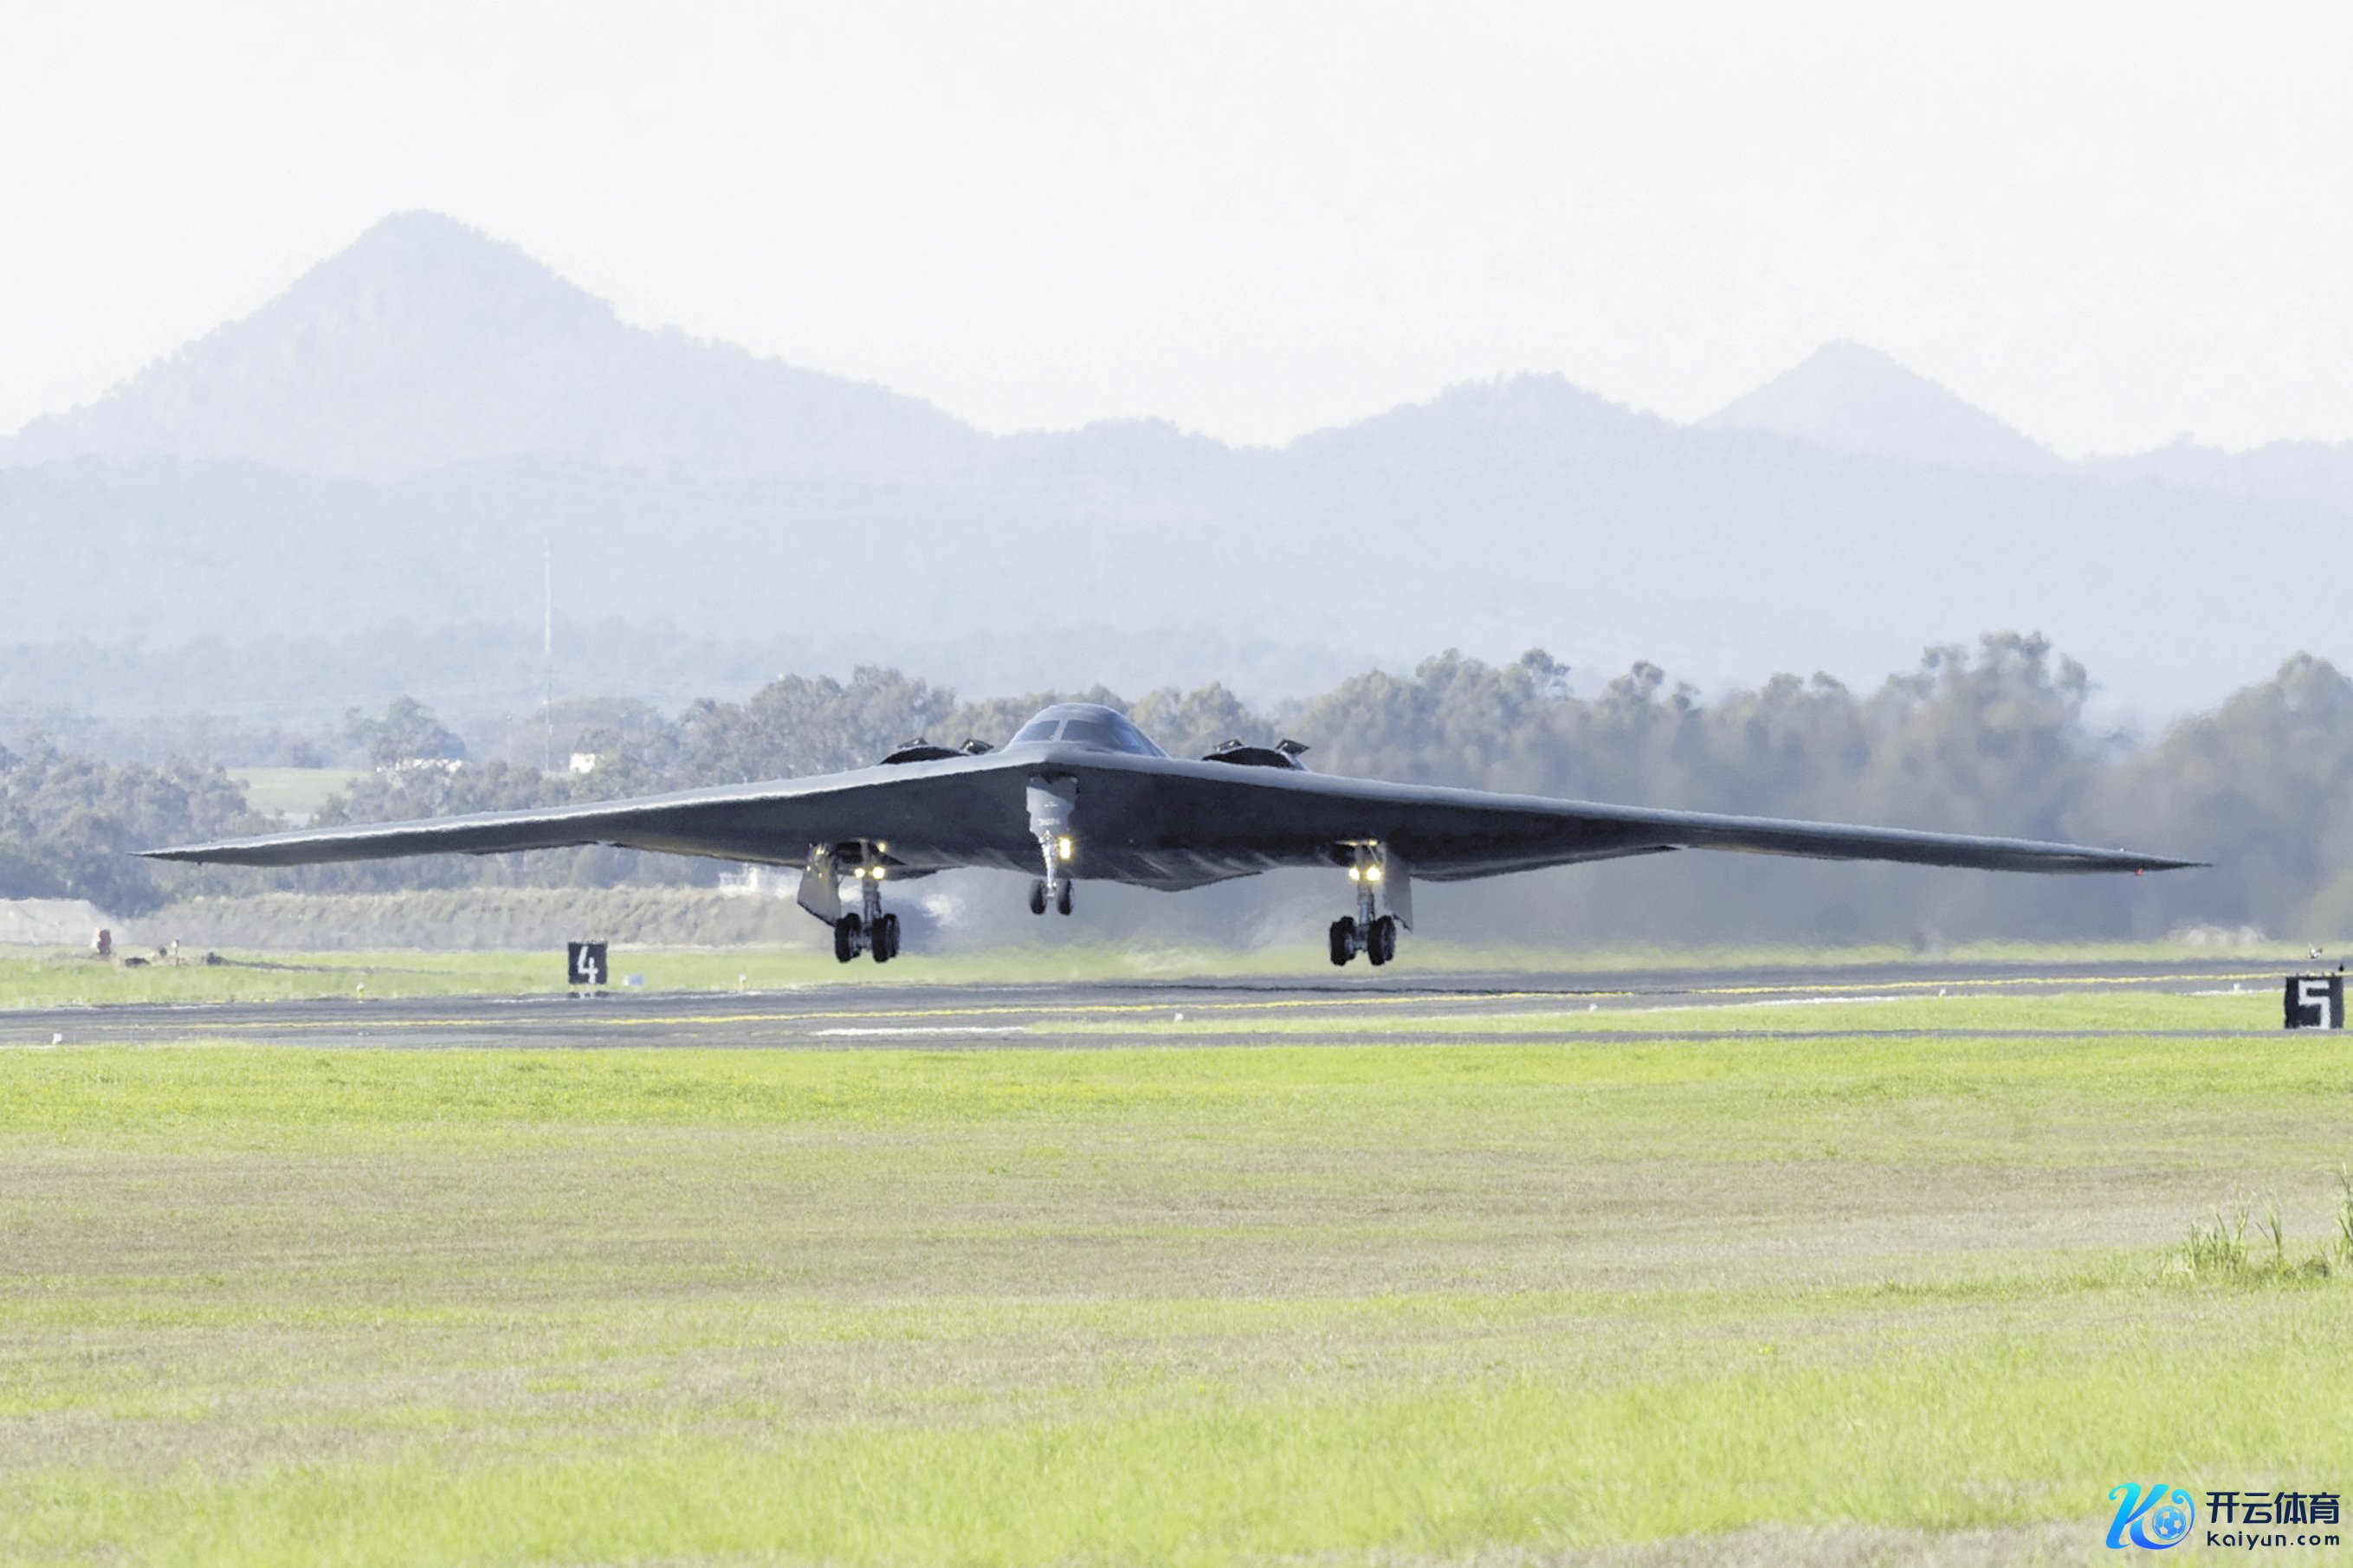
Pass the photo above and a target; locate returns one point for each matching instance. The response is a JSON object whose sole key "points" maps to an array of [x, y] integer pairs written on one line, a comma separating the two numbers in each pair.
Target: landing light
{"points": [[1372, 873], [877, 872], [1064, 847], [1356, 873]]}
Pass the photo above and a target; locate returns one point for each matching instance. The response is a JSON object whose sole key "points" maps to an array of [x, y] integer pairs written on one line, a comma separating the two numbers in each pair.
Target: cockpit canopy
{"points": [[1088, 724]]}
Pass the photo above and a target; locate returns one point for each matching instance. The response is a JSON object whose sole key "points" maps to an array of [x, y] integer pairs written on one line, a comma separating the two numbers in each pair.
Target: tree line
{"points": [[1993, 739]]}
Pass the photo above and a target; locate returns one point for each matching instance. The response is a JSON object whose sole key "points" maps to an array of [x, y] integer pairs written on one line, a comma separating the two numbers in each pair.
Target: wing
{"points": [[935, 814], [1209, 820], [1155, 821]]}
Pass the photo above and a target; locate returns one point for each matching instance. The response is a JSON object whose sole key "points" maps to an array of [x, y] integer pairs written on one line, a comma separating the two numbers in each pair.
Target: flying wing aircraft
{"points": [[1079, 791]]}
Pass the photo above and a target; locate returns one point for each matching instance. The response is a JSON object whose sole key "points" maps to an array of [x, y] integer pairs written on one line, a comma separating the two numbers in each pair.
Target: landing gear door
{"points": [[820, 892], [1396, 886]]}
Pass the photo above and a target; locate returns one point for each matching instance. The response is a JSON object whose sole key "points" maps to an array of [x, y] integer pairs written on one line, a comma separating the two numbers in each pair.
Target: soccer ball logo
{"points": [[2153, 1517], [2168, 1522]]}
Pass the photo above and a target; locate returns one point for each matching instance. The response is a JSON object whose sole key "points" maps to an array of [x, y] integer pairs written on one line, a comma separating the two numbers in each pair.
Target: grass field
{"points": [[1753, 1298]]}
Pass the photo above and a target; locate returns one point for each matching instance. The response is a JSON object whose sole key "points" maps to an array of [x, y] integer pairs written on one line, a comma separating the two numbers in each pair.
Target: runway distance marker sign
{"points": [[584, 964]]}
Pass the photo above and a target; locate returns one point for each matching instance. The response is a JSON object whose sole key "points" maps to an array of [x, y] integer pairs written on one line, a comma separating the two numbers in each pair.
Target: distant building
{"points": [[585, 761], [759, 881]]}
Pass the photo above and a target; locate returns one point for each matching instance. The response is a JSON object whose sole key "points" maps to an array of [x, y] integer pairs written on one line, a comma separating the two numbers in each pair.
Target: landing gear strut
{"points": [[1053, 802], [1374, 935]]}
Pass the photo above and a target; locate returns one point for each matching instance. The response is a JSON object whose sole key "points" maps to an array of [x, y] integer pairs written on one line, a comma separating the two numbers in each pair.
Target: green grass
{"points": [[1348, 1304]]}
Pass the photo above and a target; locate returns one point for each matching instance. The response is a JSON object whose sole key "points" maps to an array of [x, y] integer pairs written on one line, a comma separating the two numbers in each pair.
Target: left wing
{"points": [[1233, 819]]}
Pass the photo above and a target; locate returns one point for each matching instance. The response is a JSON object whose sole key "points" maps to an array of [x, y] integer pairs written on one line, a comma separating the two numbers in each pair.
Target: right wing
{"points": [[950, 812]]}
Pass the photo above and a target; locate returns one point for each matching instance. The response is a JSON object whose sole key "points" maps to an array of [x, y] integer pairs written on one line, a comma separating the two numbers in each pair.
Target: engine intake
{"points": [[920, 749], [1284, 754]]}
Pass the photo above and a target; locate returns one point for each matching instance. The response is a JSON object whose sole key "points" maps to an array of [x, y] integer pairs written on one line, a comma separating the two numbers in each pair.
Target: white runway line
{"points": [[1765, 1002], [926, 1029]]}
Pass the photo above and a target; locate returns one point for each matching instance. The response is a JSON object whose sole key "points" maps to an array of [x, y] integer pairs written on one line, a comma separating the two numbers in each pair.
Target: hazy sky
{"points": [[2109, 225]]}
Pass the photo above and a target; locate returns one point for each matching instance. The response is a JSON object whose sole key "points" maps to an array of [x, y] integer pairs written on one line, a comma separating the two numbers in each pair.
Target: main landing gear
{"points": [[852, 935], [1375, 936], [869, 930], [1376, 939]]}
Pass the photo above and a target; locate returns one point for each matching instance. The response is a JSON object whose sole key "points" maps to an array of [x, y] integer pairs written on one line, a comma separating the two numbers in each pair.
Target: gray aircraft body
{"points": [[1080, 793]]}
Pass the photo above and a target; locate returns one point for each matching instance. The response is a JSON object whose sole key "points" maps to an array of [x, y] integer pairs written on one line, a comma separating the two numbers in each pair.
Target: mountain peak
{"points": [[421, 229], [429, 265], [1850, 397]]}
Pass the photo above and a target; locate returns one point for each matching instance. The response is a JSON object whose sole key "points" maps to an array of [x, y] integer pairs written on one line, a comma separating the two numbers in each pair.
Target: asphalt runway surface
{"points": [[872, 1012]]}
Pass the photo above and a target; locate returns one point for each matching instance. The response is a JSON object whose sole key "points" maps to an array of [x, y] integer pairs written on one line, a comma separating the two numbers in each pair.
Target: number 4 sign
{"points": [[585, 962]]}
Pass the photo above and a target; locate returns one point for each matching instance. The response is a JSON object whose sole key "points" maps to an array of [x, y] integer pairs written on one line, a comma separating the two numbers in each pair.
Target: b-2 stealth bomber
{"points": [[1079, 792]]}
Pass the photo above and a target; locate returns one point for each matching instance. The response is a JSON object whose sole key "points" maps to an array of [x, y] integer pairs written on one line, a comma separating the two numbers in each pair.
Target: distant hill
{"points": [[1849, 398], [2310, 473], [347, 494], [426, 344]]}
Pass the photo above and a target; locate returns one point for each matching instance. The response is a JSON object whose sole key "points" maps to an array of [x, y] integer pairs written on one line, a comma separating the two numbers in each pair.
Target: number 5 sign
{"points": [[2316, 1001]]}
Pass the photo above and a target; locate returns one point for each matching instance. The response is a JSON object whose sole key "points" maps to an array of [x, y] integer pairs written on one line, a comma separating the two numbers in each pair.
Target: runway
{"points": [[1692, 1003]]}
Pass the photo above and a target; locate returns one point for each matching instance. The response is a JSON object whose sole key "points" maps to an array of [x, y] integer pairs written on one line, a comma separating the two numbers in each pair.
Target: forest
{"points": [[1992, 739]]}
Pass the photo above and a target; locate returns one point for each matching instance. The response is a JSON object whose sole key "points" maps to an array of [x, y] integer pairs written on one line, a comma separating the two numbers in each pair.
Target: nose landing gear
{"points": [[1053, 802], [1059, 898]]}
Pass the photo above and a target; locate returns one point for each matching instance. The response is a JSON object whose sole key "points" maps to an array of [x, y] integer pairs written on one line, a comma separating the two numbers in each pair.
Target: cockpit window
{"points": [[1110, 729], [1090, 727]]}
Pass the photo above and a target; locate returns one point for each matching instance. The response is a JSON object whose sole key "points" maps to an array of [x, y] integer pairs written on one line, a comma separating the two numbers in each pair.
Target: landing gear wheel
{"points": [[1343, 940], [885, 946], [847, 935], [1037, 896], [1062, 899], [1380, 941]]}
